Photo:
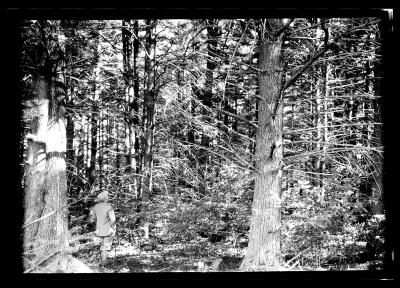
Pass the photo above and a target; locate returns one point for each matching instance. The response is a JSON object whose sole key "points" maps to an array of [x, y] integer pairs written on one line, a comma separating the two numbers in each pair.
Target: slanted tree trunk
{"points": [[263, 251]]}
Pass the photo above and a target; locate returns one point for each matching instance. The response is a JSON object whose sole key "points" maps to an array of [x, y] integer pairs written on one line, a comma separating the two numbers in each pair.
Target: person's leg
{"points": [[103, 255], [103, 251], [107, 242]]}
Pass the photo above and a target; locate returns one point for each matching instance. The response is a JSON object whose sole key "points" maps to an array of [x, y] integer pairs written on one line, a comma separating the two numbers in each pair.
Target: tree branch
{"points": [[299, 72], [238, 117], [320, 53], [329, 126]]}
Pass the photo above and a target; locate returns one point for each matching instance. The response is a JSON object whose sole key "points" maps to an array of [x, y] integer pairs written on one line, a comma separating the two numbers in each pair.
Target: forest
{"points": [[224, 144]]}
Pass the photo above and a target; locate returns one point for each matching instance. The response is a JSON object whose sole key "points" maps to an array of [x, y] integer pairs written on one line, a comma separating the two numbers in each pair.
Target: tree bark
{"points": [[263, 252]]}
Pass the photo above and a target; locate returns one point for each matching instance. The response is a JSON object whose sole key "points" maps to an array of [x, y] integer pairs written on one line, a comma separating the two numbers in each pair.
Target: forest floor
{"points": [[127, 258], [194, 256]]}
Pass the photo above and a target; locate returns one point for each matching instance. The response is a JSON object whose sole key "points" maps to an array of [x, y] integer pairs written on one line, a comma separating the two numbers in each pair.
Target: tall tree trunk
{"points": [[87, 143], [93, 148], [320, 123], [135, 106], [46, 221], [149, 103], [212, 33], [130, 97], [317, 134], [377, 187], [235, 122], [94, 119], [70, 147], [321, 120], [117, 148], [72, 180], [326, 72], [190, 131], [101, 146], [263, 252]]}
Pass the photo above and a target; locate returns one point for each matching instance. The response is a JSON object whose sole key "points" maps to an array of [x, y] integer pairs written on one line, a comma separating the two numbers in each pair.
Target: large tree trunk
{"points": [[46, 211], [35, 179], [46, 227], [263, 252], [55, 228]]}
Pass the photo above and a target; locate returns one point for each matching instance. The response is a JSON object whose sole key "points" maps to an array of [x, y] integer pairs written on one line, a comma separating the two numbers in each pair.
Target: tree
{"points": [[263, 251], [45, 226]]}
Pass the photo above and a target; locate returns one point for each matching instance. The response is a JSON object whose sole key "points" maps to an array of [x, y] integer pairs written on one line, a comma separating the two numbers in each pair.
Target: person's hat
{"points": [[102, 196]]}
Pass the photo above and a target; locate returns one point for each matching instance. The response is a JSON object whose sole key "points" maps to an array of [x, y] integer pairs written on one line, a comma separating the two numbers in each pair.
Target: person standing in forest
{"points": [[104, 215]]}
